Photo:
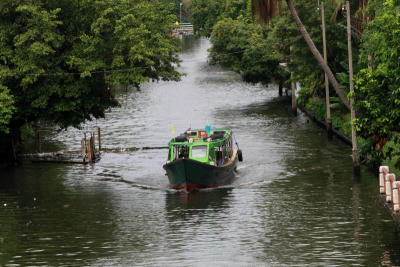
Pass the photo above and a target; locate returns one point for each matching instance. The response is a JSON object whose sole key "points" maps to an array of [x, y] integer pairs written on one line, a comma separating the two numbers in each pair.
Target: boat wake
{"points": [[245, 166]]}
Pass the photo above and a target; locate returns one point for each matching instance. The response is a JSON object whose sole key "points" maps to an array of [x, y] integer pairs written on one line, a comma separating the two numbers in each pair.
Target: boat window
{"points": [[199, 151], [181, 152]]}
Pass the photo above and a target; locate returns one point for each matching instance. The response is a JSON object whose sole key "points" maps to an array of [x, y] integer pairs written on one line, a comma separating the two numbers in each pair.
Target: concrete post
{"points": [[327, 102], [356, 159]]}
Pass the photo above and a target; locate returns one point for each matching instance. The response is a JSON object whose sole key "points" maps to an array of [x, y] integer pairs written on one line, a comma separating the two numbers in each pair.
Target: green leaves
{"points": [[58, 57], [245, 47], [377, 91], [205, 14], [7, 108]]}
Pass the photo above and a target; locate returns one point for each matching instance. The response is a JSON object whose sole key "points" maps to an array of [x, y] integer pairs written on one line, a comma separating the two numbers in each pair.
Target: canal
{"points": [[294, 201]]}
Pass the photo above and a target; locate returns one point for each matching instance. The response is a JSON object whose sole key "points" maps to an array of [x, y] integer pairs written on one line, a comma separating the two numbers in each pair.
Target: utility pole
{"points": [[293, 85], [294, 104], [180, 13], [356, 159], [327, 102]]}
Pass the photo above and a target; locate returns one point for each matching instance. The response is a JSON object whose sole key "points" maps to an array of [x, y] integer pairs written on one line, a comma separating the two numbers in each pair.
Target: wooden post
{"points": [[84, 138], [356, 159], [294, 104], [90, 155], [99, 137], [92, 141], [83, 150], [327, 102]]}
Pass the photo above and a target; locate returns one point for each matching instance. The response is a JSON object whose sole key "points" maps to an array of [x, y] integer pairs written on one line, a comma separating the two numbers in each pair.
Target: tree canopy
{"points": [[6, 108], [377, 89], [255, 49], [57, 58]]}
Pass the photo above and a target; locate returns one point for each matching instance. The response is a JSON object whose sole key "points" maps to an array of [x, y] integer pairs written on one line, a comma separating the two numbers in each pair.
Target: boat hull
{"points": [[188, 174]]}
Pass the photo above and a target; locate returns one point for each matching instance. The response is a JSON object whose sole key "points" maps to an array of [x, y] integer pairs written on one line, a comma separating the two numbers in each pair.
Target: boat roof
{"points": [[216, 137]]}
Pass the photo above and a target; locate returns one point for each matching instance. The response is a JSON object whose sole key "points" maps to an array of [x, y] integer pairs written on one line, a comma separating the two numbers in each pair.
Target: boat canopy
{"points": [[213, 147]]}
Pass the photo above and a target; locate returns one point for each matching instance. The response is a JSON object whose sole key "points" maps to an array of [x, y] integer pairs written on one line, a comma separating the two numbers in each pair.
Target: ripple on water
{"points": [[294, 202]]}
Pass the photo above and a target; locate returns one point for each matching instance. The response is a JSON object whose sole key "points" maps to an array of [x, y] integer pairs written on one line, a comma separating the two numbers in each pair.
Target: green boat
{"points": [[202, 158]]}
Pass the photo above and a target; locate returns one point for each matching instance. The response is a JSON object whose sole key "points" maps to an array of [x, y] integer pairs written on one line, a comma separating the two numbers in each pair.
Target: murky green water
{"points": [[294, 202]]}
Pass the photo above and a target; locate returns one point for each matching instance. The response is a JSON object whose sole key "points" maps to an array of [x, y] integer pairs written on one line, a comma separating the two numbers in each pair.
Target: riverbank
{"points": [[374, 151], [388, 197], [322, 124]]}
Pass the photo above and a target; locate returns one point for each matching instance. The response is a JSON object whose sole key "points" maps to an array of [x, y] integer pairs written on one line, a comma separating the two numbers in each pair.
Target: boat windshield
{"points": [[199, 151]]}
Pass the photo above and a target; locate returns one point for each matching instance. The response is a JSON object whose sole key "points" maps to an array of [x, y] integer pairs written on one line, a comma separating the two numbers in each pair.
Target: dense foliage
{"points": [[205, 14], [58, 58], [255, 50], [6, 108], [245, 47], [378, 88]]}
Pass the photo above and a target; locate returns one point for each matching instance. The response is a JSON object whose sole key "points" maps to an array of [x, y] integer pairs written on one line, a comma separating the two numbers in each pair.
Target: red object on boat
{"points": [[201, 134]]}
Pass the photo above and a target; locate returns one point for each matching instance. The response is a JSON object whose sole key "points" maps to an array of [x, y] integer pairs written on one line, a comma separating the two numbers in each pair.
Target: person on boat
{"points": [[220, 158]]}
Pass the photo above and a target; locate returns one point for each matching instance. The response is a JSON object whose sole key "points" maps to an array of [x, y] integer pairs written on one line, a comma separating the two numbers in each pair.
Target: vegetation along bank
{"points": [[254, 38]]}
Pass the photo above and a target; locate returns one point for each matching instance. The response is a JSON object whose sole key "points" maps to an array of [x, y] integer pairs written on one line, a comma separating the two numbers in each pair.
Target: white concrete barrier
{"points": [[396, 195], [390, 179], [383, 171]]}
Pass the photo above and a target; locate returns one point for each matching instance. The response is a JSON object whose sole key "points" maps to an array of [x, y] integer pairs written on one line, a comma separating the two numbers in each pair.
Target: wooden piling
{"points": [[89, 148], [83, 150], [99, 137], [92, 141], [85, 138]]}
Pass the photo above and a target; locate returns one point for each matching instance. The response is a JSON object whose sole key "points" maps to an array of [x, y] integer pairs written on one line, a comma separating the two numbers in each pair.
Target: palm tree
{"points": [[266, 8]]}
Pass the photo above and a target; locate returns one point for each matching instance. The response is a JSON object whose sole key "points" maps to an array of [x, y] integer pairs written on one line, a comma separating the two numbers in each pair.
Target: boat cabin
{"points": [[214, 148]]}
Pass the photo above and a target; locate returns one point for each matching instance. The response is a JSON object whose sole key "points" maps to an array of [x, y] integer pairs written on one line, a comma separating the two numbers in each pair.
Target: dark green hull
{"points": [[190, 174]]}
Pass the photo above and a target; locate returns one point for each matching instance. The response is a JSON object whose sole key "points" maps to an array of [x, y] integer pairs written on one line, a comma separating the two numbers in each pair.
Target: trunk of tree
{"points": [[317, 55]]}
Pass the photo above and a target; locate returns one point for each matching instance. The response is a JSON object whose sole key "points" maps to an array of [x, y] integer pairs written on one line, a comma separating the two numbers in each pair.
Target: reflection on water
{"points": [[294, 200], [198, 201]]}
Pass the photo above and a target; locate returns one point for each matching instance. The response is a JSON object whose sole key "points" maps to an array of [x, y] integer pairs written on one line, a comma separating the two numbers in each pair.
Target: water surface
{"points": [[294, 201]]}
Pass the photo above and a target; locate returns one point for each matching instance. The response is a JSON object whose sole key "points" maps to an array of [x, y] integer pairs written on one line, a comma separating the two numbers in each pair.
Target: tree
{"points": [[377, 89], [271, 6], [241, 45], [58, 57], [6, 109], [205, 14], [293, 48]]}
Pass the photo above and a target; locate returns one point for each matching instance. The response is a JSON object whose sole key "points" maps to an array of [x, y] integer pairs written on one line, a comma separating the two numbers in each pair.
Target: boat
{"points": [[202, 158]]}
